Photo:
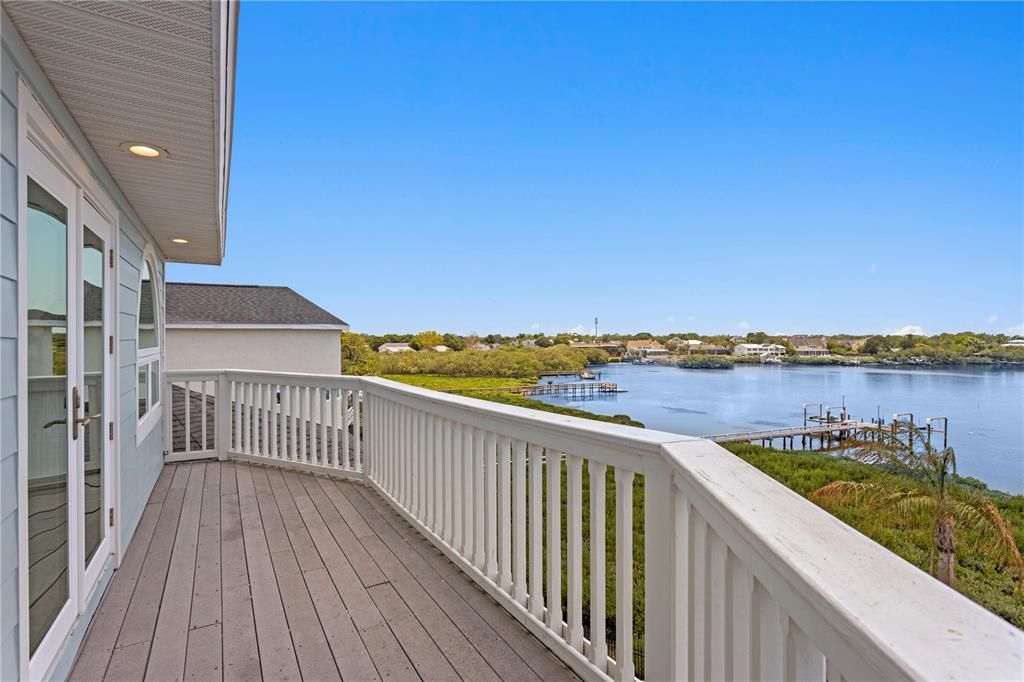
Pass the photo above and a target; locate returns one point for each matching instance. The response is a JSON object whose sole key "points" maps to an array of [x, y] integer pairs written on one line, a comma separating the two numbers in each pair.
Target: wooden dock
{"points": [[555, 375], [572, 391], [827, 434]]}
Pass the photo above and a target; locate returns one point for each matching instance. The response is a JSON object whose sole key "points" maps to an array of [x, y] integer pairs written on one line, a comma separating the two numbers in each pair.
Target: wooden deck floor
{"points": [[249, 572]]}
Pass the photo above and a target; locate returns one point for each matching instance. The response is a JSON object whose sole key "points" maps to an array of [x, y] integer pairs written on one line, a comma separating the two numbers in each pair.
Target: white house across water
{"points": [[223, 522]]}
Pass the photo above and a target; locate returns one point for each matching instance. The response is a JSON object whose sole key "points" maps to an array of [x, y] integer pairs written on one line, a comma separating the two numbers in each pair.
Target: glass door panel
{"points": [[47, 313], [93, 297]]}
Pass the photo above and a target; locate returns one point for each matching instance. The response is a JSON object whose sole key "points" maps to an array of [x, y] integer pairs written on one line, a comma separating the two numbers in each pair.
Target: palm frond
{"points": [[885, 500], [993, 537]]}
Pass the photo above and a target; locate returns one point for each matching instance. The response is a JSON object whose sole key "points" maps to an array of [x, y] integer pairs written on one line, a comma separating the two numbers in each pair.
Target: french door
{"points": [[67, 300]]}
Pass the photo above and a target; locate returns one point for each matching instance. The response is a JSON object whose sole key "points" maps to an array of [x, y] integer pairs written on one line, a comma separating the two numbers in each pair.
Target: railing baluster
{"points": [[428, 473], [335, 400], [598, 610], [345, 422], [291, 439], [574, 549], [536, 532], [457, 495], [322, 405], [274, 410], [261, 413], [624, 575], [403, 455], [491, 513], [421, 464], [448, 482], [188, 415], [264, 419], [236, 436], [742, 636], [717, 578], [699, 590], [554, 511], [250, 416], [479, 501], [203, 411], [468, 519], [439, 482], [505, 513], [772, 633], [519, 521], [357, 457], [302, 414]]}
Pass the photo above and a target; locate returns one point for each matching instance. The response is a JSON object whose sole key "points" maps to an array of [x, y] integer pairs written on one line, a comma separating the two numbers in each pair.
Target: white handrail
{"points": [[741, 577]]}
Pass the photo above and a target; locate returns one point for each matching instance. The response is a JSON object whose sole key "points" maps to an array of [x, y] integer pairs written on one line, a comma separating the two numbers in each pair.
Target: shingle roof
{"points": [[244, 304]]}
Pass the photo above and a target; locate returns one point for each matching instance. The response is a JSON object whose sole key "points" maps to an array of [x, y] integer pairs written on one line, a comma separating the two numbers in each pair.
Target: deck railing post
{"points": [[664, 609], [222, 416]]}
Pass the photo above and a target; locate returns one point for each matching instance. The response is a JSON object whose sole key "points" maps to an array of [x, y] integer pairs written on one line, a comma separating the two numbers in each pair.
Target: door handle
{"points": [[76, 404]]}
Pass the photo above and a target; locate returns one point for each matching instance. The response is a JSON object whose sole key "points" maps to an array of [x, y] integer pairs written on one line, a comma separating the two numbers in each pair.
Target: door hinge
{"points": [[110, 518], [111, 258], [110, 430], [110, 344]]}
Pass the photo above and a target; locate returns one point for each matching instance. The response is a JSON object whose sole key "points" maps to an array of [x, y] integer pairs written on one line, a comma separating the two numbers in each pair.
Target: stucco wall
{"points": [[314, 351]]}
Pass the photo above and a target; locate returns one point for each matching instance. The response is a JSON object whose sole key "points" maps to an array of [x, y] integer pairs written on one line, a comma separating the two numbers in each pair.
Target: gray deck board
{"points": [[246, 572]]}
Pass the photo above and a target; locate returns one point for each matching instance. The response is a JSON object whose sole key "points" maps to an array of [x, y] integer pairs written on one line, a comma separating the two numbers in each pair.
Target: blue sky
{"points": [[715, 168]]}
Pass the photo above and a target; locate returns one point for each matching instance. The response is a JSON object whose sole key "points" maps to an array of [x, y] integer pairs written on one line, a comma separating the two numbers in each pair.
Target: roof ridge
{"points": [[239, 286]]}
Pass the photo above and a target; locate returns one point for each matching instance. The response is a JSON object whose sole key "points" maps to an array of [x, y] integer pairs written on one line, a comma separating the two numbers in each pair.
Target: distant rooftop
{"points": [[243, 305]]}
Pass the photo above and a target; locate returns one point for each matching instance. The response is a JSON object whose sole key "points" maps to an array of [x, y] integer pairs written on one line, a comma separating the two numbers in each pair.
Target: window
{"points": [[148, 356]]}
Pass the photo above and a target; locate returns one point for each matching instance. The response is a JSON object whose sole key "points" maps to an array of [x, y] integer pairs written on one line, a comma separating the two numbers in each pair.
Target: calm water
{"points": [[985, 407]]}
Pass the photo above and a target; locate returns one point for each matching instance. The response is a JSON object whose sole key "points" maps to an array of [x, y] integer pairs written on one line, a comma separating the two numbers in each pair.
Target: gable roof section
{"points": [[241, 305]]}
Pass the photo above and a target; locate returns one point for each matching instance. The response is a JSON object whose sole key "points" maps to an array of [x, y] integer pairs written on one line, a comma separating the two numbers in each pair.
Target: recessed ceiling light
{"points": [[143, 149], [179, 240]]}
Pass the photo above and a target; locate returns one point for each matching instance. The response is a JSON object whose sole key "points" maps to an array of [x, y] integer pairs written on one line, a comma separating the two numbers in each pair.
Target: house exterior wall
{"points": [[9, 632], [313, 351], [138, 463]]}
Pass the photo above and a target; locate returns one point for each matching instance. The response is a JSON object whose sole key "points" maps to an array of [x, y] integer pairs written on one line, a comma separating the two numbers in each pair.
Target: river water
{"points": [[985, 407]]}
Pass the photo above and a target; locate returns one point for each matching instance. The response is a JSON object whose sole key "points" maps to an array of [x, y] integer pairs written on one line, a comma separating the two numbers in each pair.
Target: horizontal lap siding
{"points": [[8, 371], [140, 463]]}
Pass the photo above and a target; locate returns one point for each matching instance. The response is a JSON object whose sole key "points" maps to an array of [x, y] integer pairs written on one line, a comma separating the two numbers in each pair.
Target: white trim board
{"points": [[221, 325]]}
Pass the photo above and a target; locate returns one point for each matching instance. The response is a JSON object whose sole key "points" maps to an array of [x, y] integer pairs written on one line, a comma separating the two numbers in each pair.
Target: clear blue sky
{"points": [[715, 168]]}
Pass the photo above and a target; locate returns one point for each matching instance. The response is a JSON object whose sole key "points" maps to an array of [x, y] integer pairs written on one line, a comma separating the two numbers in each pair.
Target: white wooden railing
{"points": [[717, 571]]}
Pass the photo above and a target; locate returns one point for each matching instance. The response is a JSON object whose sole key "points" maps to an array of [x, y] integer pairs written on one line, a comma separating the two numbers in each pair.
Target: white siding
{"points": [[8, 371], [313, 351]]}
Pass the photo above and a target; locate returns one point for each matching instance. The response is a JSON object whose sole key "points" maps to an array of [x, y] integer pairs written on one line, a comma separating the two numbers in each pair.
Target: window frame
{"points": [[148, 359]]}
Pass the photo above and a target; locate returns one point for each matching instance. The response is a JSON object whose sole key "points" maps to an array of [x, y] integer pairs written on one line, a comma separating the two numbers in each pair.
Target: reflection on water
{"points": [[984, 407]]}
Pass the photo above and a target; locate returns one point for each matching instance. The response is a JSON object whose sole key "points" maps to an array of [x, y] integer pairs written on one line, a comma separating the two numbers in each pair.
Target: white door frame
{"points": [[90, 217], [40, 143]]}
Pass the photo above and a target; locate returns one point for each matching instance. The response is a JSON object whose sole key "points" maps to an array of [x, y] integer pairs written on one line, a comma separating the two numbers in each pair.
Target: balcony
{"points": [[358, 527]]}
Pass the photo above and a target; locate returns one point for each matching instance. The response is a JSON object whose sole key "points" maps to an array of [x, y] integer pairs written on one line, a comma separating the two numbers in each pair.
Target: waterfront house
{"points": [[645, 348], [809, 346], [610, 347], [249, 327], [709, 349], [483, 346], [1013, 343], [759, 349], [395, 348], [289, 525]]}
